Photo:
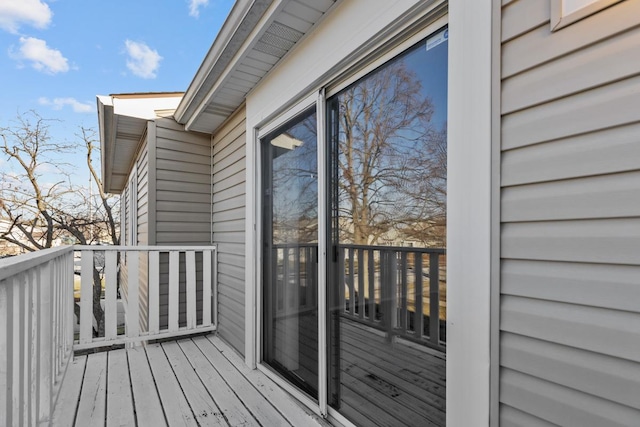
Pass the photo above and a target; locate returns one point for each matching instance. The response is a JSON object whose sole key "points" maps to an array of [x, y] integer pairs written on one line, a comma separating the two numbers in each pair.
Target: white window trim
{"points": [[469, 210], [561, 19]]}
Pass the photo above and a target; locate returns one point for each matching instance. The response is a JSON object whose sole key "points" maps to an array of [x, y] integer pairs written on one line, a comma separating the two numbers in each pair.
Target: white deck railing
{"points": [[166, 292], [36, 333], [184, 274]]}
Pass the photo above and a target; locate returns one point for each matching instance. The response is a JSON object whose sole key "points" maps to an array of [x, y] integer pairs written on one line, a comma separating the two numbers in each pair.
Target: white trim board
{"points": [[469, 230]]}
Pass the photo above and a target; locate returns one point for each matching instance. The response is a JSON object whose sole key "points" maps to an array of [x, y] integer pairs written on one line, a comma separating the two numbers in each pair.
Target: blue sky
{"points": [[57, 55]]}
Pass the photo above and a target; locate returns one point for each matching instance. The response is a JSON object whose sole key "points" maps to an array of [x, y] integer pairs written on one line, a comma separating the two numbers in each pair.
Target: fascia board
{"points": [[236, 30]]}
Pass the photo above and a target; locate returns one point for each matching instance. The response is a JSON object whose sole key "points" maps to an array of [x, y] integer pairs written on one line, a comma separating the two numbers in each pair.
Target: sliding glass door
{"points": [[290, 251], [387, 134], [382, 197]]}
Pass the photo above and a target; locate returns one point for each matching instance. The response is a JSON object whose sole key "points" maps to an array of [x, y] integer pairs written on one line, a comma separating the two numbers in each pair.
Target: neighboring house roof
{"points": [[253, 39], [123, 120]]}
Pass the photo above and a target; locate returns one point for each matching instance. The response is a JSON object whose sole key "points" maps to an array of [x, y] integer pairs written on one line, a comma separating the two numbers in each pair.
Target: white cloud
{"points": [[143, 61], [14, 13], [60, 103], [42, 57], [195, 5]]}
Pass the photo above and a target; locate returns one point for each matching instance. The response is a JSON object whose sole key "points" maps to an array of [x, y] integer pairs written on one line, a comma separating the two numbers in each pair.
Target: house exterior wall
{"points": [[182, 190], [135, 202], [570, 212], [142, 230], [228, 232]]}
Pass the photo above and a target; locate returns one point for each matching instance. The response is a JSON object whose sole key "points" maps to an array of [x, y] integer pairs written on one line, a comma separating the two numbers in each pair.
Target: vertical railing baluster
{"points": [[5, 356], [403, 293], [418, 317], [86, 297], [372, 286], [18, 349], [340, 279], [361, 304], [393, 292], [434, 299], [133, 302], [309, 279], [154, 292], [29, 350], [37, 307], [174, 291], [352, 308], [191, 288], [110, 296], [46, 375]]}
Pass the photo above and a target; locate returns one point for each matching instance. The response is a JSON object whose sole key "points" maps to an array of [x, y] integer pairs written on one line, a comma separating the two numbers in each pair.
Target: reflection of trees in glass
{"points": [[391, 162], [295, 183]]}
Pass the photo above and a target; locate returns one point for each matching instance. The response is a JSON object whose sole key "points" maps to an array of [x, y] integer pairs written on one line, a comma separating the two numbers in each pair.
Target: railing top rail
{"points": [[396, 248], [180, 248], [20, 263], [413, 249]]}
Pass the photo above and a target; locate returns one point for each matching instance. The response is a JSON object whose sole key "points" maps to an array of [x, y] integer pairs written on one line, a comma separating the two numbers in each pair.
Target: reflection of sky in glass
{"points": [[431, 68]]}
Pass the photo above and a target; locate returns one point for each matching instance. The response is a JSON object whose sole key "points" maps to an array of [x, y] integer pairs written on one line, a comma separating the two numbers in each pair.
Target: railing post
{"points": [[207, 284]]}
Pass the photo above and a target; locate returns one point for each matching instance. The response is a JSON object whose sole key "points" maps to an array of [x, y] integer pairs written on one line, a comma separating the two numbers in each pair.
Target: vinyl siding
{"points": [[142, 228], [183, 203], [570, 213], [229, 148]]}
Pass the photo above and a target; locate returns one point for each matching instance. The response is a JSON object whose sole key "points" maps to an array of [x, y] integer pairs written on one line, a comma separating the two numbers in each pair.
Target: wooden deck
{"points": [[195, 381], [389, 383]]}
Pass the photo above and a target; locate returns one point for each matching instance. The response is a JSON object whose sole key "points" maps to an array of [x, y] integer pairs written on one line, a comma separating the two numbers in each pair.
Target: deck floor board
{"points": [[92, 404], [174, 383], [145, 394]]}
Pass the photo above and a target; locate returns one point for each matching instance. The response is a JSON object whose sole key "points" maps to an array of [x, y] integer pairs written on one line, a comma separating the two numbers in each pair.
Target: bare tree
{"points": [[391, 162], [39, 203]]}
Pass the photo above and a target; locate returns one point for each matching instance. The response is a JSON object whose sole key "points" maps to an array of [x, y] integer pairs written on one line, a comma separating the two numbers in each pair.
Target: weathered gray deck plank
{"points": [[225, 397], [205, 409], [149, 411], [92, 405], [266, 414], [286, 405], [176, 407], [119, 399], [69, 393], [166, 384]]}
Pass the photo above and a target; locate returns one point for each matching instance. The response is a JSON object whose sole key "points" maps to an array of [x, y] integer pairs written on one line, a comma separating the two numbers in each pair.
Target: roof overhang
{"points": [[122, 120], [253, 39]]}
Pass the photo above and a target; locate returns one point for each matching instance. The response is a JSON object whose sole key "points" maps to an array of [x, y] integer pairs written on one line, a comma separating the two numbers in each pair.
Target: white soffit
{"points": [[123, 122], [247, 48]]}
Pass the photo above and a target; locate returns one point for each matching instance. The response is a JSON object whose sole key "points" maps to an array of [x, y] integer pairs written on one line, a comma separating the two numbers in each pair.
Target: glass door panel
{"points": [[290, 251], [387, 281]]}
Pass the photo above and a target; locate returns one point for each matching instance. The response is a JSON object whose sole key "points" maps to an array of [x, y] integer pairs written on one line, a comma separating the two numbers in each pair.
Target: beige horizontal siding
{"points": [[183, 202], [570, 212], [228, 227]]}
